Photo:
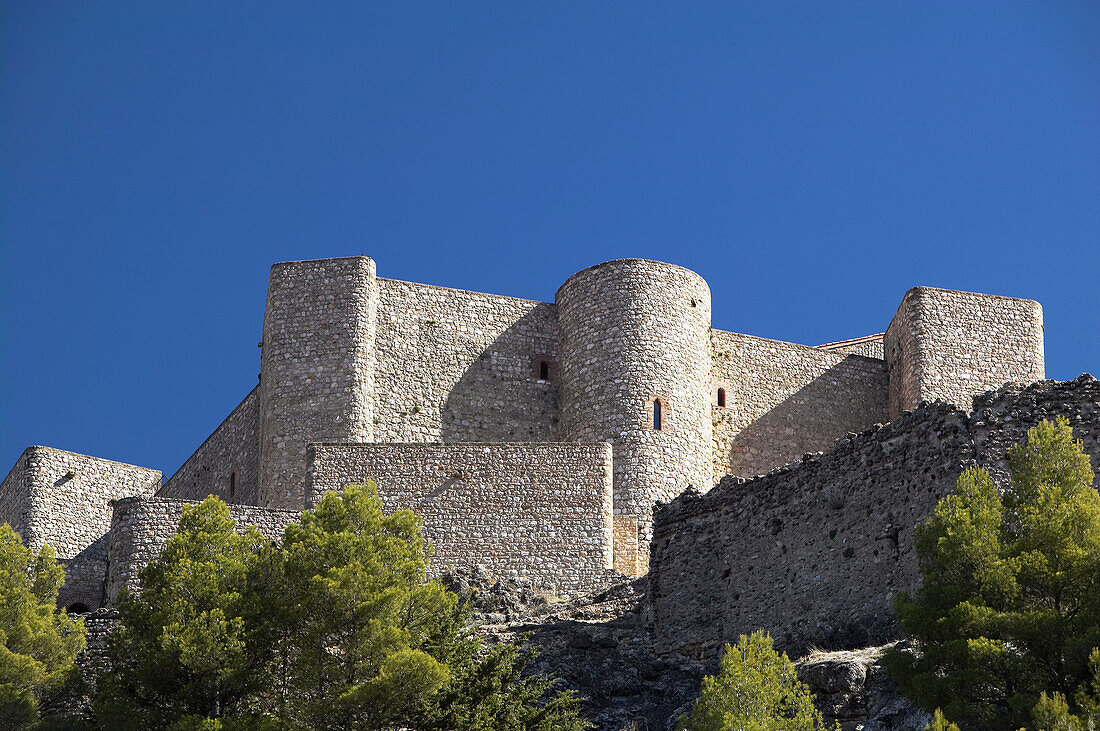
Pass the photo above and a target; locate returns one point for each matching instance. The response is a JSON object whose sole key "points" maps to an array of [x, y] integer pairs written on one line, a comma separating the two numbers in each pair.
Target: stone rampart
{"points": [[783, 400], [227, 463], [815, 552], [141, 526], [458, 366], [540, 511]]}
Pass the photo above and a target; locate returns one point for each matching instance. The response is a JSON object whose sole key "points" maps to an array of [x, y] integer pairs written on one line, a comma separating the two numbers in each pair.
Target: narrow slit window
{"points": [[544, 371], [721, 397], [232, 483], [657, 414]]}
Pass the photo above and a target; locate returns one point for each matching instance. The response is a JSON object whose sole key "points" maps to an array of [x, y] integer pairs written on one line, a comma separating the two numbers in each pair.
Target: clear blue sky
{"points": [[811, 160]]}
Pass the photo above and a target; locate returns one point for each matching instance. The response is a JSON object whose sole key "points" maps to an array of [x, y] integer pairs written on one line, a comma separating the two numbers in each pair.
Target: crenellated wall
{"points": [[539, 511], [815, 552], [634, 332], [227, 464], [317, 367], [783, 400]]}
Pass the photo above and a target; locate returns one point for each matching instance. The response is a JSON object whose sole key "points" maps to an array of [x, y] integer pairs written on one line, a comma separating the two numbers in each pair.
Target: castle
{"points": [[532, 437]]}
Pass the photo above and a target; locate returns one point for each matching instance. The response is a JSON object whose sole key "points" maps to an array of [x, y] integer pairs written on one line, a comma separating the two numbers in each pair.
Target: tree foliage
{"points": [[756, 689], [1009, 606], [38, 642], [334, 628]]}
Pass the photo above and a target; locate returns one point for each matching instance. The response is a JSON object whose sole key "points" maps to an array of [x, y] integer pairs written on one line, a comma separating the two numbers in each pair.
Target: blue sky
{"points": [[811, 160]]}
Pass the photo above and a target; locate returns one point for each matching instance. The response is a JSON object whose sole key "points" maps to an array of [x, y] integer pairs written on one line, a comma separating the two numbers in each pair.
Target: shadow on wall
{"points": [[509, 393], [848, 397], [85, 577]]}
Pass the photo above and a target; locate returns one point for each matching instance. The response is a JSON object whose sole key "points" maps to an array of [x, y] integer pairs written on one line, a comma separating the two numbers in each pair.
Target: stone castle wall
{"points": [[317, 366], [783, 400], [229, 458], [952, 345], [141, 526], [457, 366], [540, 511], [62, 499], [816, 551], [635, 332]]}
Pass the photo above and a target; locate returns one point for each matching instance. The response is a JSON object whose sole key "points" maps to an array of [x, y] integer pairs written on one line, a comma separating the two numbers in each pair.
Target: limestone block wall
{"points": [[457, 366], [317, 367], [634, 332], [816, 551], [141, 526], [950, 345], [62, 498], [540, 511], [784, 400], [227, 463]]}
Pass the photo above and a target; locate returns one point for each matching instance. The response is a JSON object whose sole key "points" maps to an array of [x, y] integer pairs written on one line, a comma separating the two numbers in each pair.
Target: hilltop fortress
{"points": [[534, 437]]}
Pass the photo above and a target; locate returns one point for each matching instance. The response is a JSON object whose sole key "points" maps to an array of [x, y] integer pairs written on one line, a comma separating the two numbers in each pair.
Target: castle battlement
{"points": [[534, 437]]}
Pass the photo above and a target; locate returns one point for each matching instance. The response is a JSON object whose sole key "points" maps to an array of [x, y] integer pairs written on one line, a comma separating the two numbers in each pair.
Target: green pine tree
{"points": [[180, 657], [756, 689], [38, 642], [1009, 607]]}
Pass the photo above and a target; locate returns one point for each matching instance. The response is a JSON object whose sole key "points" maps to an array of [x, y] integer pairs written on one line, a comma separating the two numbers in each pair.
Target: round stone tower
{"points": [[635, 371]]}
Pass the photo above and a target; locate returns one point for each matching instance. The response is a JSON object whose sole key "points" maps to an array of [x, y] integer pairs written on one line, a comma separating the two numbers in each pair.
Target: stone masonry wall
{"points": [[232, 450], [15, 497], [952, 346], [815, 552], [784, 400], [540, 511], [317, 367], [64, 501], [636, 332], [457, 366], [141, 526]]}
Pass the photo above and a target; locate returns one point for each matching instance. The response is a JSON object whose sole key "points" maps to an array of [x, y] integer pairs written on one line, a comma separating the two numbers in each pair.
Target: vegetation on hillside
{"points": [[335, 628], [1007, 620], [38, 642], [756, 689]]}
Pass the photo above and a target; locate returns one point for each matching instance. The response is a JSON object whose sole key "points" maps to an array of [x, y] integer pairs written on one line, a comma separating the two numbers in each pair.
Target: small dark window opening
{"points": [[657, 414], [721, 397], [77, 608], [232, 483], [544, 371]]}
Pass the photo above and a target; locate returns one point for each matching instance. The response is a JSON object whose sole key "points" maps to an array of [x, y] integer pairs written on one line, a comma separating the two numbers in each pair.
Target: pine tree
{"points": [[1009, 607], [756, 689], [38, 642]]}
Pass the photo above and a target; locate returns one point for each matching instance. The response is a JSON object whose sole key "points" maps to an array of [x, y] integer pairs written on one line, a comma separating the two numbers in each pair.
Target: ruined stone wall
{"points": [[539, 511], [785, 400], [952, 345], [227, 462], [141, 526], [457, 366], [61, 499], [635, 332], [317, 367], [816, 551]]}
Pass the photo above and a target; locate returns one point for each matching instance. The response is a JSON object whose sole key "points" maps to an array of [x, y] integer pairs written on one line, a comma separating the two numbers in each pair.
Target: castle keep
{"points": [[533, 437]]}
